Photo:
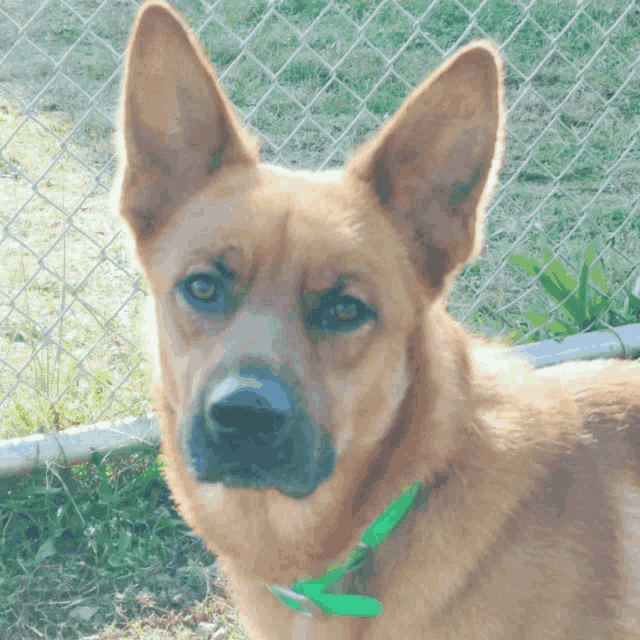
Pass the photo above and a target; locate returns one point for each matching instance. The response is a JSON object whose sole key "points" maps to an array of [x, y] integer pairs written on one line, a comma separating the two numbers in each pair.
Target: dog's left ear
{"points": [[434, 165]]}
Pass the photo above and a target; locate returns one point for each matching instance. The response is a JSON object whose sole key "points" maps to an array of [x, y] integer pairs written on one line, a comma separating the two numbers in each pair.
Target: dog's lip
{"points": [[242, 476], [208, 463], [297, 493]]}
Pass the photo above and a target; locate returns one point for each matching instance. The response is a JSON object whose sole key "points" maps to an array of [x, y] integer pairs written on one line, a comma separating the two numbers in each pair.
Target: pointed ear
{"points": [[434, 165], [177, 126]]}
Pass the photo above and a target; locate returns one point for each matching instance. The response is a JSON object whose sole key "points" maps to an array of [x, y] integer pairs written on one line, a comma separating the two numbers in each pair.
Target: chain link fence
{"points": [[312, 79]]}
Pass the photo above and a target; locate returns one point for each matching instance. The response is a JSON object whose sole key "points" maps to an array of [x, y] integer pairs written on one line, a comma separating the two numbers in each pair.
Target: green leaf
{"points": [[529, 266], [597, 275], [124, 541], [560, 289], [563, 279], [558, 328], [582, 291], [105, 489], [596, 307], [634, 302], [558, 293], [536, 319], [47, 549]]}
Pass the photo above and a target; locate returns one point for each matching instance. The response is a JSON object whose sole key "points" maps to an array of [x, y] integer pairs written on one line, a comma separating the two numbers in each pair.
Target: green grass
{"points": [[70, 342], [100, 544]]}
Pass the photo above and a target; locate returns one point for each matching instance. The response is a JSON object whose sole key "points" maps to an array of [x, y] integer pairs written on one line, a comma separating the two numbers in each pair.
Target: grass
{"points": [[313, 80], [99, 546]]}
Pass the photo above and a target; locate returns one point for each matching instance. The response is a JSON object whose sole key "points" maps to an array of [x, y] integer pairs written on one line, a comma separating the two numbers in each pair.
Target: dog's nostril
{"points": [[244, 399], [247, 406], [259, 423]]}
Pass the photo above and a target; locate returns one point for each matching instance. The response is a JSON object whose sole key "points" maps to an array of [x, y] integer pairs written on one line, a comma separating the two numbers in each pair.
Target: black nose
{"points": [[252, 429], [253, 406]]}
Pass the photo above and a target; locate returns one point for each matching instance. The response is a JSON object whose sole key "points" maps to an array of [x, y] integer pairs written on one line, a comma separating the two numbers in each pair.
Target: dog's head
{"points": [[306, 367]]}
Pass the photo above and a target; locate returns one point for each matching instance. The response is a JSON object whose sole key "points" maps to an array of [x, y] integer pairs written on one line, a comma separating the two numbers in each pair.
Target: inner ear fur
{"points": [[434, 165], [177, 125]]}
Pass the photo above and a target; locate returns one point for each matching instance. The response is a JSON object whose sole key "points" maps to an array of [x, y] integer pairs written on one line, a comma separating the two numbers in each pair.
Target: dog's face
{"points": [[294, 310], [286, 308]]}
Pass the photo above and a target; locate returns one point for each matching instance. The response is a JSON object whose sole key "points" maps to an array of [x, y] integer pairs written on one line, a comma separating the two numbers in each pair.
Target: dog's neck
{"points": [[312, 597]]}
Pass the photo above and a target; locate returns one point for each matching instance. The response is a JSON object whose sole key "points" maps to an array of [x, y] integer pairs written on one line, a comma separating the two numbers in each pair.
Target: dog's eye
{"points": [[208, 293], [203, 288], [337, 313]]}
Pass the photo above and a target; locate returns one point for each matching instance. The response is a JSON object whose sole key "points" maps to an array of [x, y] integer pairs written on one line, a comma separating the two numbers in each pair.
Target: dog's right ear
{"points": [[177, 126]]}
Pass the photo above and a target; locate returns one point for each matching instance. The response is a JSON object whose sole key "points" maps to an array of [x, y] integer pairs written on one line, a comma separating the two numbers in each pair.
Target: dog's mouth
{"points": [[246, 431]]}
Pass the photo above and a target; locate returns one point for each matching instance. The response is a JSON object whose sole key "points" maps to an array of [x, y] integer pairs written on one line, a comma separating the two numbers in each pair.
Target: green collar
{"points": [[309, 596]]}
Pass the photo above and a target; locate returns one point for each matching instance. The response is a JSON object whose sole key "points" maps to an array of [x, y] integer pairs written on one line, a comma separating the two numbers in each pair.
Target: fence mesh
{"points": [[312, 79]]}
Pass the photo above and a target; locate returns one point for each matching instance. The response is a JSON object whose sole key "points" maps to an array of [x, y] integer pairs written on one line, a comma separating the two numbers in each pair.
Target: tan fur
{"points": [[530, 530]]}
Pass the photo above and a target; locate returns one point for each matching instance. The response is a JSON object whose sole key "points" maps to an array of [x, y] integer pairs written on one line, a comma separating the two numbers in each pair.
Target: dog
{"points": [[359, 464]]}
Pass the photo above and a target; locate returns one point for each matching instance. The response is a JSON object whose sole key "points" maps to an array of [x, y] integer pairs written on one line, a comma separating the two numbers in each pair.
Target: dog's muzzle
{"points": [[248, 430]]}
